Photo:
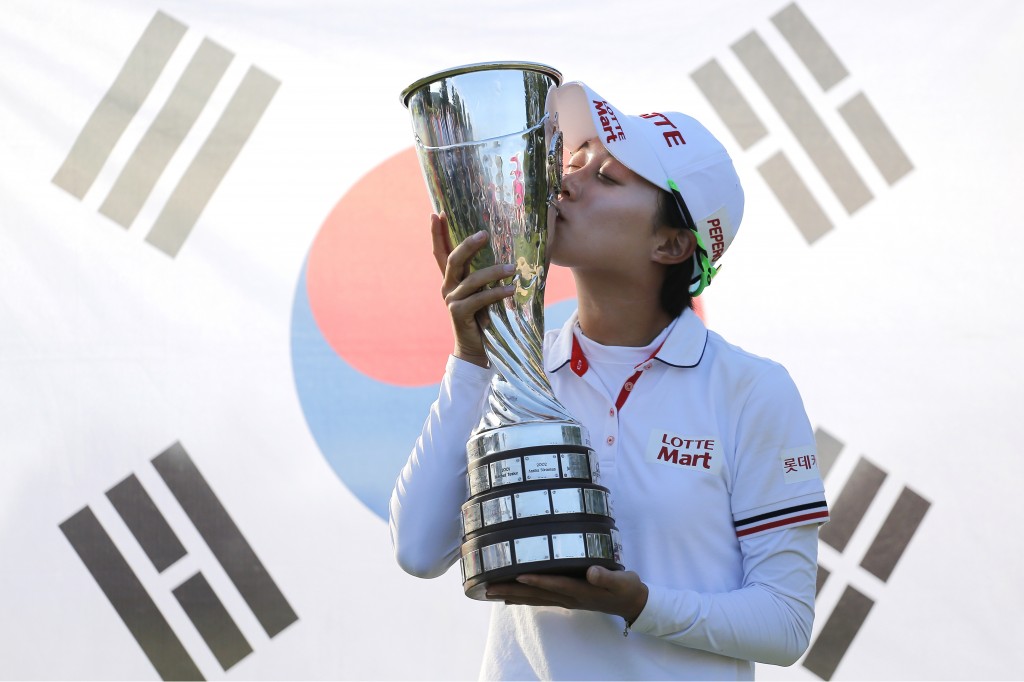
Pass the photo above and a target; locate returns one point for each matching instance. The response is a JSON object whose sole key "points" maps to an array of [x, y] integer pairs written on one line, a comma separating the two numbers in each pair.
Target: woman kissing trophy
{"points": [[492, 160]]}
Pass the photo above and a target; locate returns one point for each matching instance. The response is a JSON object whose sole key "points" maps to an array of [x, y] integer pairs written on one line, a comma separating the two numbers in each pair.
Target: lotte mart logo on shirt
{"points": [[834, 149]]}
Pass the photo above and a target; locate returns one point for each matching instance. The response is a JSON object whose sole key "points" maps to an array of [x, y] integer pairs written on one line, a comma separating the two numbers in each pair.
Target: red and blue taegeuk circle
{"points": [[370, 334]]}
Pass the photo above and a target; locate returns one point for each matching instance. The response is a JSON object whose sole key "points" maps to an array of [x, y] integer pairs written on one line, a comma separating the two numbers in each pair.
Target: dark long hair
{"points": [[675, 289]]}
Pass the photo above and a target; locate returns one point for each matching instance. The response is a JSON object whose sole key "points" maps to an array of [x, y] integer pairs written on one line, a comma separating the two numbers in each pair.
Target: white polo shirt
{"points": [[710, 460]]}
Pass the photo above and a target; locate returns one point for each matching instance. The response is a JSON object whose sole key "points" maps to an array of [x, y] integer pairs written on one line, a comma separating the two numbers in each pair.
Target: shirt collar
{"points": [[561, 349], [684, 346]]}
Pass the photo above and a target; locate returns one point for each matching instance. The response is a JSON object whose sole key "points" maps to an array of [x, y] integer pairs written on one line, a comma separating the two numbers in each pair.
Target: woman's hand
{"points": [[620, 593], [464, 292]]}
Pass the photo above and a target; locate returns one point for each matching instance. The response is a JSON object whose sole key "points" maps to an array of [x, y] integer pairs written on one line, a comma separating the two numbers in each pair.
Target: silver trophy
{"points": [[492, 159]]}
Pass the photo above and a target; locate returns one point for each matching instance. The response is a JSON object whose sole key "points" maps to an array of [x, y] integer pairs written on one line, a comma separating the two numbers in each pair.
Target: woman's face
{"points": [[605, 213]]}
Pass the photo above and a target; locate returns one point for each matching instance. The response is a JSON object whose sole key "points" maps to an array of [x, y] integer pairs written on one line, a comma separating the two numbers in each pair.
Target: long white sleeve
{"points": [[425, 504], [768, 620]]}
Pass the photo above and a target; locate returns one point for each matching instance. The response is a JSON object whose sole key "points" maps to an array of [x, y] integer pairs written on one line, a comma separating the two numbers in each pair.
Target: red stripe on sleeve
{"points": [[782, 522]]}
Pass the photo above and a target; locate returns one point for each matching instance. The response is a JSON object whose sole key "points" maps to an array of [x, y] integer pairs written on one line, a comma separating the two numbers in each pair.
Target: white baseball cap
{"points": [[672, 151]]}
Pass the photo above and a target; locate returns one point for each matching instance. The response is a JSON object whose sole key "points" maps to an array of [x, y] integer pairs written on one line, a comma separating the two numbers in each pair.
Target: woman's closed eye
{"points": [[606, 176]]}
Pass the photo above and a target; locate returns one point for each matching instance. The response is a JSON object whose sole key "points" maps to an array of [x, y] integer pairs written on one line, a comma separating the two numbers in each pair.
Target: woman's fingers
{"points": [[441, 242], [620, 593], [468, 317], [466, 309], [470, 298], [468, 294], [456, 266], [472, 283]]}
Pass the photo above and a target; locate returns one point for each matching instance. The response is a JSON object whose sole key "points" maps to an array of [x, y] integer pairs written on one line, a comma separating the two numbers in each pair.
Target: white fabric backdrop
{"points": [[900, 325]]}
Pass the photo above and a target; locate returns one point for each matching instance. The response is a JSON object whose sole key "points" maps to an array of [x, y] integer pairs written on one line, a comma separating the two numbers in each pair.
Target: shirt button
{"points": [[610, 440], [611, 412]]}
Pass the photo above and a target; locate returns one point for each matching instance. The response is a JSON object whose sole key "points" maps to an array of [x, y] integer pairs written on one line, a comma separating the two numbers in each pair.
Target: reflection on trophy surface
{"points": [[492, 160]]}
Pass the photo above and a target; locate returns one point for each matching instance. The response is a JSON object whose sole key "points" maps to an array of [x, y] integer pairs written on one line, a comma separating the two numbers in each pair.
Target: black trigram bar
{"points": [[829, 448], [876, 138], [128, 597], [119, 106], [895, 535], [803, 121], [225, 540], [819, 582], [168, 130], [795, 196], [730, 104], [212, 620], [810, 47], [835, 637], [146, 523], [852, 504], [212, 162], [151, 157]]}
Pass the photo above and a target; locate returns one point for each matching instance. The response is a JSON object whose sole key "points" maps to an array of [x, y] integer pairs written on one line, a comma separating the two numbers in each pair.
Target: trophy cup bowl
{"points": [[492, 159]]}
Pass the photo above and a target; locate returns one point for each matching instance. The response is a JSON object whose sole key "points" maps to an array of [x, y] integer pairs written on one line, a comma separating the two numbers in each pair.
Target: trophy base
{"points": [[567, 549], [535, 506], [477, 589]]}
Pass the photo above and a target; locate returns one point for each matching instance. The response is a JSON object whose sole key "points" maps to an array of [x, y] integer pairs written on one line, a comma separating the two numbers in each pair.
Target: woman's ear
{"points": [[673, 246]]}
